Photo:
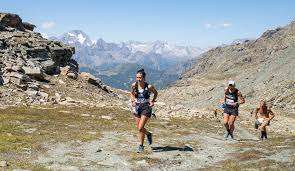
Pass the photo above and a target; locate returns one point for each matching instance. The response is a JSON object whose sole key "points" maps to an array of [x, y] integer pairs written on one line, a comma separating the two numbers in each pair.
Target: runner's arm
{"points": [[154, 91], [271, 115], [255, 113], [241, 98], [222, 100], [132, 96], [224, 97]]}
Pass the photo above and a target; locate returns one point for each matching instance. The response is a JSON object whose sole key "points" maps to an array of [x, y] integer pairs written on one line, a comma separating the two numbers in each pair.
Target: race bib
{"points": [[230, 102]]}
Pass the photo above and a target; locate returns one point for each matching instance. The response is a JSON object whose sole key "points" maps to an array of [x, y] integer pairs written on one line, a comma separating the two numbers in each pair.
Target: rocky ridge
{"points": [[34, 70], [263, 69]]}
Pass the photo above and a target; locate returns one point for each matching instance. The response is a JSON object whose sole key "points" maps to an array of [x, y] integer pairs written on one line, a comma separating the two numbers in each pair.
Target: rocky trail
{"points": [[74, 138]]}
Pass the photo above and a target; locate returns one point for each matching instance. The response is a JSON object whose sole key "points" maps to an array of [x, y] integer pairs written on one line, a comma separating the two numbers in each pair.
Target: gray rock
{"points": [[43, 95], [40, 53], [57, 97], [32, 93], [17, 68], [28, 60], [15, 75], [90, 79], [11, 20], [8, 67], [61, 55], [29, 26], [3, 164], [15, 78], [49, 67], [72, 75], [71, 70], [5, 80], [45, 86], [33, 72], [34, 86]]}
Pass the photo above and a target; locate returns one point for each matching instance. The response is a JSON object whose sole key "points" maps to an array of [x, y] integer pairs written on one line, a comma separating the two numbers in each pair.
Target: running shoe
{"points": [[140, 149]]}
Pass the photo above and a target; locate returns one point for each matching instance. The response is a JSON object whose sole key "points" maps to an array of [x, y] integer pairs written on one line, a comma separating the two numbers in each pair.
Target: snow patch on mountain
{"points": [[81, 38], [71, 34]]}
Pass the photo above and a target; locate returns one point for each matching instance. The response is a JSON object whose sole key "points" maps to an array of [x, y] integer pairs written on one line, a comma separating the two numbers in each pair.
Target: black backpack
{"points": [[146, 92]]}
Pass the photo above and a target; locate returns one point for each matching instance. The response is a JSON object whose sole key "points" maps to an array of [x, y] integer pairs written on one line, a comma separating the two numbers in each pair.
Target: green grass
{"points": [[52, 124], [59, 124]]}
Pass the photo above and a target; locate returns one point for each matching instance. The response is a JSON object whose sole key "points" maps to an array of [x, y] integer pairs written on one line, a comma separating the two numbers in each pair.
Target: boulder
{"points": [[11, 20], [72, 75], [270, 33], [90, 78], [32, 93], [16, 77], [34, 72], [29, 26], [5, 80], [49, 67], [17, 68], [64, 70], [57, 97], [3, 163], [33, 86], [71, 70], [43, 95], [27, 60], [39, 53], [62, 55], [8, 67]]}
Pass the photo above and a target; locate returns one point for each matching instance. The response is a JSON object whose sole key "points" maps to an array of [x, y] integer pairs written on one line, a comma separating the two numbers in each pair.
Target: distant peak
{"points": [[100, 40], [160, 42], [76, 32], [76, 36]]}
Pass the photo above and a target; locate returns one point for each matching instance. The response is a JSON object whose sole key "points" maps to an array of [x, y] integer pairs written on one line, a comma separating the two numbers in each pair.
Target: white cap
{"points": [[231, 82]]}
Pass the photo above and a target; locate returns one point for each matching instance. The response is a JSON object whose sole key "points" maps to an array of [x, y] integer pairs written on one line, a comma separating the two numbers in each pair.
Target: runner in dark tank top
{"points": [[232, 100], [140, 98]]}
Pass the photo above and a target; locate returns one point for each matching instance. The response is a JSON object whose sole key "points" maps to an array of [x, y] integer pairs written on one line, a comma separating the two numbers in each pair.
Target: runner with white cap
{"points": [[232, 99]]}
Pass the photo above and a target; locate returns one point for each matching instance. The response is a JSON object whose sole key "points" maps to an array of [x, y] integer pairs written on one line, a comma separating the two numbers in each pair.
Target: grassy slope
{"points": [[28, 133]]}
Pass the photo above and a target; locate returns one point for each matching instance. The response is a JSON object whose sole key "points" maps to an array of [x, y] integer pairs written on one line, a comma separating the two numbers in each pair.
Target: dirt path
{"points": [[118, 151], [174, 149], [72, 139]]}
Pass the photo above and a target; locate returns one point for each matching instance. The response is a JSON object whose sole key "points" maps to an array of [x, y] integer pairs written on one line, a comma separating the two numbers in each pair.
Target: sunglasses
{"points": [[138, 77]]}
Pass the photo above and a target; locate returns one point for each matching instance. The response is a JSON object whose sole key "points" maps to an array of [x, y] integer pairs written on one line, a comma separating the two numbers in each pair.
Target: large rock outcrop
{"points": [[34, 69], [26, 56]]}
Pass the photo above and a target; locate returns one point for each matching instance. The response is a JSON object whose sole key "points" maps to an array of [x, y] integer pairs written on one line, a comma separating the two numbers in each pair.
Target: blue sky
{"points": [[189, 22]]}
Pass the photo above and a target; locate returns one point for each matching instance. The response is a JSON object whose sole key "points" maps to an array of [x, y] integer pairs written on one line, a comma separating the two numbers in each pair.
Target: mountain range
{"points": [[116, 63]]}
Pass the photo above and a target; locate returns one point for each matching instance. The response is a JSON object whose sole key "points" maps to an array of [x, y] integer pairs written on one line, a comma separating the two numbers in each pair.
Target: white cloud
{"points": [[208, 25], [217, 26], [48, 24], [226, 24]]}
